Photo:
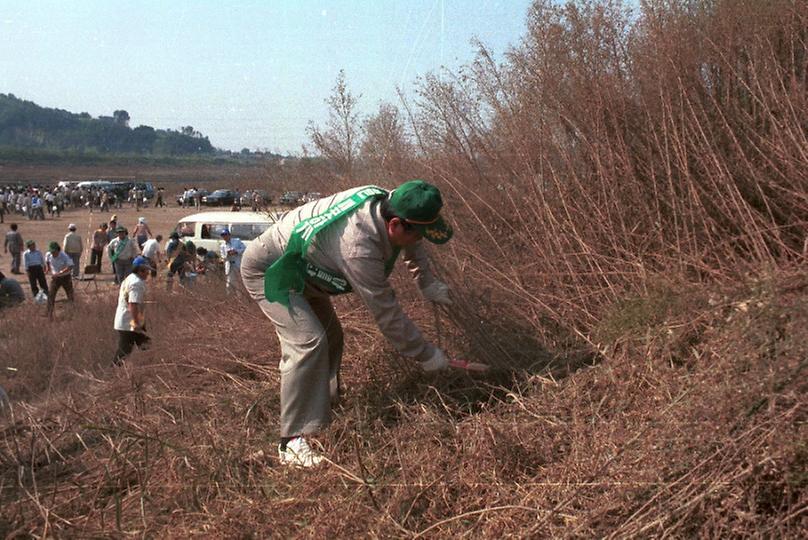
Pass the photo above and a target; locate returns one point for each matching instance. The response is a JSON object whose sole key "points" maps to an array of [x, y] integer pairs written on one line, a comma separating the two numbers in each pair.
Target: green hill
{"points": [[26, 125]]}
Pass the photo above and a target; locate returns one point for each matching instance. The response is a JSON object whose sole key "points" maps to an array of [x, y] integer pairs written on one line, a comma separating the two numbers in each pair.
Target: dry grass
{"points": [[708, 442], [629, 199]]}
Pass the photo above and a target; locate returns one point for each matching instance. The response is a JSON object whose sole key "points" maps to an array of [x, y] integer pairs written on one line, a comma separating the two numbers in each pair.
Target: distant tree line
{"points": [[26, 125]]}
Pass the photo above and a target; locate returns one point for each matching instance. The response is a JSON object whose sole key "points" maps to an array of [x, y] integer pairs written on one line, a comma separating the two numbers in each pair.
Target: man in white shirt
{"points": [[58, 265], [151, 250], [130, 315], [34, 262], [230, 251]]}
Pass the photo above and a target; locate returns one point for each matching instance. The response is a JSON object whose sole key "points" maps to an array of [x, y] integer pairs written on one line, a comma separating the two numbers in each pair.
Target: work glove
{"points": [[437, 292], [436, 362]]}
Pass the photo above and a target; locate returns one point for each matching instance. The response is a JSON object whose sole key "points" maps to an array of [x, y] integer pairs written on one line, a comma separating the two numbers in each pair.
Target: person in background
{"points": [[34, 263], [230, 250], [73, 246], [104, 201], [141, 233], [50, 202], [10, 292], [182, 264], [122, 251], [173, 247], [130, 315], [112, 226], [207, 262], [158, 203], [100, 241], [60, 202], [151, 250], [37, 204], [58, 265], [13, 244]]}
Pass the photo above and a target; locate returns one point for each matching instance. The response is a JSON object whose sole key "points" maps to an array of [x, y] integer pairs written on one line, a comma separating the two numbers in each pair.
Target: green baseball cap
{"points": [[419, 203], [53, 246]]}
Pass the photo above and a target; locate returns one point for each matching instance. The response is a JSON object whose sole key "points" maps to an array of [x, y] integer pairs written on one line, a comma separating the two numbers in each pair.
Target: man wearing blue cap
{"points": [[348, 242], [130, 316]]}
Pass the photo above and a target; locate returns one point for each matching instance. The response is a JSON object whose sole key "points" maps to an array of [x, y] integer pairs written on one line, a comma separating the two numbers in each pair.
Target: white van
{"points": [[205, 229]]}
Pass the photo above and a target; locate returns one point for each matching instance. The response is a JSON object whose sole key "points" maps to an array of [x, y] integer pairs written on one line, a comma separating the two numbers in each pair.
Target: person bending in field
{"points": [[348, 242]]}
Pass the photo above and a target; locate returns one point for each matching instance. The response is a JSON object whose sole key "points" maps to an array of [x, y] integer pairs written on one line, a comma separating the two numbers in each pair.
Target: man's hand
{"points": [[437, 292], [437, 362], [137, 327]]}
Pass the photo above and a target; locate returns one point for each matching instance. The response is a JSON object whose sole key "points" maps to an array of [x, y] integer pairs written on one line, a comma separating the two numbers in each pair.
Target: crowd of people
{"points": [[182, 260], [38, 202]]}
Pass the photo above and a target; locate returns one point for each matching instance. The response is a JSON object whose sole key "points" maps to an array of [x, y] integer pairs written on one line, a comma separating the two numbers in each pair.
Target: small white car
{"points": [[205, 229]]}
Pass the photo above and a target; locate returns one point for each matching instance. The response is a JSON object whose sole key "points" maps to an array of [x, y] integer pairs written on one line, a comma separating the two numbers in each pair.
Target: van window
{"points": [[248, 231], [185, 228], [213, 230]]}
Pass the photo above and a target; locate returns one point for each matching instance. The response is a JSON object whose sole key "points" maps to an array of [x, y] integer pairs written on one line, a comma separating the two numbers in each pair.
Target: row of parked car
{"points": [[293, 198], [228, 197]]}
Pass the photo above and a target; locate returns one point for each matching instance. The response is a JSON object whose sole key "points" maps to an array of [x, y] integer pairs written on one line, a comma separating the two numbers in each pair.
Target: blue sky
{"points": [[245, 73]]}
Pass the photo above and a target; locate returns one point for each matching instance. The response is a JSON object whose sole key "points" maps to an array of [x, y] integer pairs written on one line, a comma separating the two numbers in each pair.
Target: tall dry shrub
{"points": [[612, 146], [385, 149]]}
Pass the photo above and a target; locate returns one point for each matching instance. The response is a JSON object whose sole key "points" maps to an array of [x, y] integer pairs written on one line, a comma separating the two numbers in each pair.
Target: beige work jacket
{"points": [[357, 247]]}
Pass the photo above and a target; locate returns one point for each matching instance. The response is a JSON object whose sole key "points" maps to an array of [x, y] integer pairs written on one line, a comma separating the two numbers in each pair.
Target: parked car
{"points": [[292, 197], [220, 197], [205, 229]]}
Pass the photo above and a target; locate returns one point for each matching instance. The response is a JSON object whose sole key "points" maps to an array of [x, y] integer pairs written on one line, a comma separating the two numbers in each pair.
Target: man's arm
{"points": [[137, 324], [366, 276], [431, 288], [417, 262]]}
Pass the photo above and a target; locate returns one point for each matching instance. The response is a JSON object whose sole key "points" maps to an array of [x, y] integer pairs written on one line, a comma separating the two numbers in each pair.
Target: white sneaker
{"points": [[299, 454]]}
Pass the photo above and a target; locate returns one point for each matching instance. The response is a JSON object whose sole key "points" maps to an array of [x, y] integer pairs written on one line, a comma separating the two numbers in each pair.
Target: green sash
{"points": [[119, 250], [289, 272]]}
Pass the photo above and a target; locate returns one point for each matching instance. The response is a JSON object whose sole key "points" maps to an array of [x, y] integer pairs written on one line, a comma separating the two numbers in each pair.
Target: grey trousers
{"points": [[311, 341], [76, 257], [123, 267]]}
